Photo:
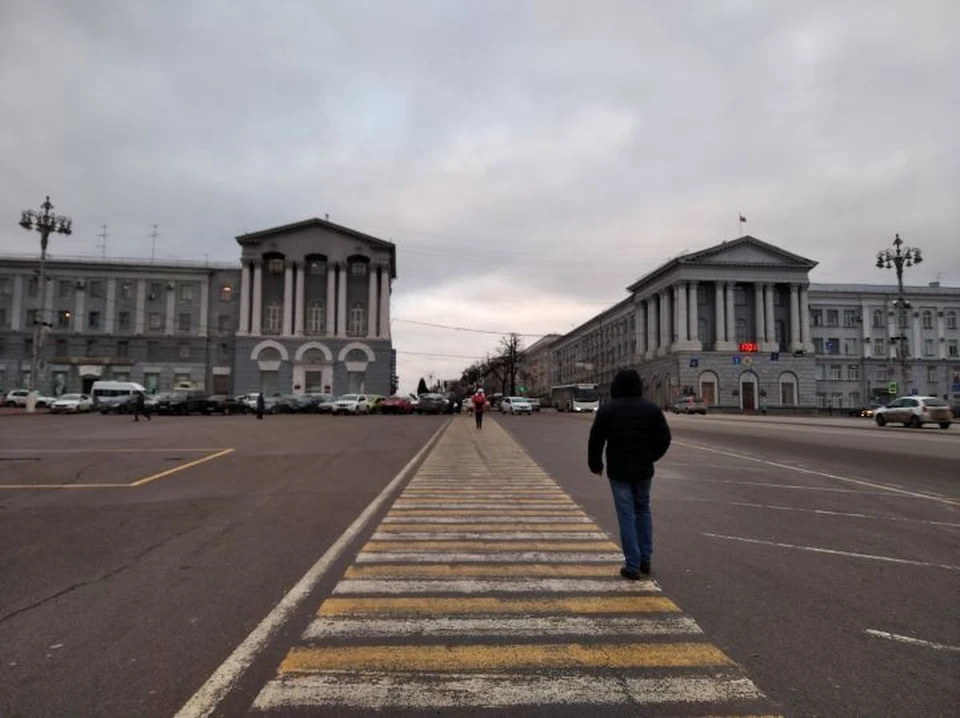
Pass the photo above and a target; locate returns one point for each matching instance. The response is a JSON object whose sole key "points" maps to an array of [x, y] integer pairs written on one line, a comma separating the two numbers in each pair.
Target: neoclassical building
{"points": [[314, 310], [740, 322]]}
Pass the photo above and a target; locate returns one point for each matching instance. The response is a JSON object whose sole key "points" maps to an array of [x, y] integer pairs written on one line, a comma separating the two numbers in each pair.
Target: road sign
{"points": [[775, 356], [892, 387], [736, 359], [694, 362]]}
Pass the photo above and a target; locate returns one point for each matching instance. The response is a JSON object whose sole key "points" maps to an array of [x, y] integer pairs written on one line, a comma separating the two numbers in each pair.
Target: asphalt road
{"points": [[798, 545], [806, 551]]}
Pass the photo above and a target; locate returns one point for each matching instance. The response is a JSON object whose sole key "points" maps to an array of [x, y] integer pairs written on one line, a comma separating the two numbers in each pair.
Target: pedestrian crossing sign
{"points": [[892, 387]]}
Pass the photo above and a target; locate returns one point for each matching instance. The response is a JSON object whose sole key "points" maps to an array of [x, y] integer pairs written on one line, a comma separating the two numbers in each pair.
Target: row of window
{"points": [[120, 349], [95, 288], [316, 318], [851, 347], [852, 318], [277, 265], [851, 372]]}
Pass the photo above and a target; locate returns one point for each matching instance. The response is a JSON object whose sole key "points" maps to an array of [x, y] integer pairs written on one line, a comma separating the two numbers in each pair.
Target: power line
{"points": [[468, 329], [439, 356]]}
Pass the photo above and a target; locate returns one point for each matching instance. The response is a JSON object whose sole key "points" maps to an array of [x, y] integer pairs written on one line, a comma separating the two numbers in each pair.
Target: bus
{"points": [[575, 397]]}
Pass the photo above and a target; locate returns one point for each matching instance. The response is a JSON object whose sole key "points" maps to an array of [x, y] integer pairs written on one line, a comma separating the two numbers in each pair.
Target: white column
{"points": [[866, 325], [79, 308], [640, 348], [663, 327], [342, 302], [941, 336], [720, 317], [917, 336], [731, 317], [171, 309], [371, 301], [288, 299], [244, 298], [257, 298], [141, 304], [110, 310], [772, 345], [331, 307], [806, 337], [683, 329], [693, 310], [759, 323], [795, 343], [675, 331], [652, 339], [17, 309], [205, 306], [299, 302], [384, 301]]}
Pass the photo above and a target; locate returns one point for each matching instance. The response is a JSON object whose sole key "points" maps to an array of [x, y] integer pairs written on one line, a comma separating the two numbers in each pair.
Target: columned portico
{"points": [[771, 332], [694, 317], [795, 342], [806, 336], [729, 321]]}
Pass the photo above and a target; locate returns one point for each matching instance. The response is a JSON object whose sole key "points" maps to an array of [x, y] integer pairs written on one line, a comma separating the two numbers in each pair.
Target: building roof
{"points": [[713, 257], [935, 289], [115, 263]]}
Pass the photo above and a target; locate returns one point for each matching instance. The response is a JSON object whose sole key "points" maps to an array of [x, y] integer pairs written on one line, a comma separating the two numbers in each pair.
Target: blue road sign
{"points": [[694, 362], [775, 356], [736, 358]]}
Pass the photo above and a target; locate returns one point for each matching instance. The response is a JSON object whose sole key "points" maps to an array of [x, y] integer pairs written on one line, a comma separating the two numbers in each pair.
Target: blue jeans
{"points": [[632, 501]]}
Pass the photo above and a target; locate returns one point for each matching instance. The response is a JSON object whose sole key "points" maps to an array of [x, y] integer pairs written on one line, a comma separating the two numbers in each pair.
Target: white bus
{"points": [[110, 394], [575, 397]]}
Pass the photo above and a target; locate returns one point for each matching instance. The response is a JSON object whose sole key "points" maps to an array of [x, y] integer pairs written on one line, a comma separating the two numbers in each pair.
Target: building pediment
{"points": [[748, 252]]}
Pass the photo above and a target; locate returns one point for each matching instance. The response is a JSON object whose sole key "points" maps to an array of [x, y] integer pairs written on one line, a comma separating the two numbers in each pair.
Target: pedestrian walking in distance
{"points": [[635, 434], [260, 405], [479, 405], [140, 407]]}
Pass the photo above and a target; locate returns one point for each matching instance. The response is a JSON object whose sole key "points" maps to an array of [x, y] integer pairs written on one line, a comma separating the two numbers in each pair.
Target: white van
{"points": [[111, 395]]}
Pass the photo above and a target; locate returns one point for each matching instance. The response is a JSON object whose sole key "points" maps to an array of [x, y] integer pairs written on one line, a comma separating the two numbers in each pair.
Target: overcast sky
{"points": [[529, 159]]}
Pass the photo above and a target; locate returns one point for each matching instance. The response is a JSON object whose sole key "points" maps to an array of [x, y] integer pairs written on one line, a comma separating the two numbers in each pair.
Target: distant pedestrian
{"points": [[140, 407], [261, 404], [635, 433], [480, 404], [763, 405]]}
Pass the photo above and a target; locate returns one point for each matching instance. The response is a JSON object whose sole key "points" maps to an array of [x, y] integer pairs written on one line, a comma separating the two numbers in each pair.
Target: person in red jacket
{"points": [[479, 406]]}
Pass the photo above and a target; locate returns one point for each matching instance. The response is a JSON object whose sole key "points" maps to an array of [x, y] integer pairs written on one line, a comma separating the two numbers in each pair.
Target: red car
{"points": [[396, 405]]}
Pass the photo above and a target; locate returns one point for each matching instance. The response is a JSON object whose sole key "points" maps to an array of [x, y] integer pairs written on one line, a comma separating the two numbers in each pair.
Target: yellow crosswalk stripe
{"points": [[432, 605], [587, 545]]}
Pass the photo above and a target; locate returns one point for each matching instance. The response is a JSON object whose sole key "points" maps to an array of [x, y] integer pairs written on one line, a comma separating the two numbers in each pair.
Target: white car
{"points": [[18, 397], [351, 404], [72, 404], [515, 405], [915, 411]]}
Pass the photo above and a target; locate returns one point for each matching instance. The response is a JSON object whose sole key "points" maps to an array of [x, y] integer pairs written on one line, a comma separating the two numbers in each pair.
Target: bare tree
{"points": [[511, 354]]}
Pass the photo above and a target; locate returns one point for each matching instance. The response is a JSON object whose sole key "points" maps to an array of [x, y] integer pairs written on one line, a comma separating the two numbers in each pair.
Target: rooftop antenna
{"points": [[326, 217], [103, 241], [153, 243]]}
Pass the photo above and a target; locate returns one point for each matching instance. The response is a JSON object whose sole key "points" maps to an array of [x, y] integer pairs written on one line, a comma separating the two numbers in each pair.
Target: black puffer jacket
{"points": [[633, 429]]}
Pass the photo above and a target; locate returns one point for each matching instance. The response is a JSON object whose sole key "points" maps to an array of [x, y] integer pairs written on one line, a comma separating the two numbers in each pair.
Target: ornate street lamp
{"points": [[897, 259], [45, 222]]}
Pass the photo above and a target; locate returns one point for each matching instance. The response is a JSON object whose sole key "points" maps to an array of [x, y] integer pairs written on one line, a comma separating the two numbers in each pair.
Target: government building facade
{"points": [[307, 309], [739, 324]]}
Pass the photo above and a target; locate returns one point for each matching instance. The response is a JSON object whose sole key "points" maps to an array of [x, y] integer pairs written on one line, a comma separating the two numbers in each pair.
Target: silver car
{"points": [[915, 411]]}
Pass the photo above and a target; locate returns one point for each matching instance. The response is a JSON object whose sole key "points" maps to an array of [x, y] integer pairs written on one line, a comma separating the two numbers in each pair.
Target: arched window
{"points": [[927, 319], [741, 331], [788, 389], [271, 320], [878, 319], [358, 269], [358, 321], [316, 317]]}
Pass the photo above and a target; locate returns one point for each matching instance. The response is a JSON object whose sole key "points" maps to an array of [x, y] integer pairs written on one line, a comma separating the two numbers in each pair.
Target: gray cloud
{"points": [[529, 159]]}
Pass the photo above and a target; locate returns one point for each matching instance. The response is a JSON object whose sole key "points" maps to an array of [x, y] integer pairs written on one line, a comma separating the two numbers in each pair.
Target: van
{"points": [[114, 395]]}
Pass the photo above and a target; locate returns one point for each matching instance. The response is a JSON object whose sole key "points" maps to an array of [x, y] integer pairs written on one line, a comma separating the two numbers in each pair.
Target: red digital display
{"points": [[749, 347]]}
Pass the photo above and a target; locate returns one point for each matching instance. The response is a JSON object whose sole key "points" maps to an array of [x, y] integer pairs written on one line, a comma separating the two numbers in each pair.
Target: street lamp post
{"points": [[44, 222], [897, 259]]}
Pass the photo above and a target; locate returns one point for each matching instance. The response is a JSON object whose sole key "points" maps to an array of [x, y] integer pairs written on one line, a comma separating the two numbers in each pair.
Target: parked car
{"points": [[183, 402], [397, 404], [915, 411], [515, 405], [431, 404], [351, 404], [870, 409], [326, 406], [18, 397], [534, 404], [72, 404], [223, 404], [689, 405]]}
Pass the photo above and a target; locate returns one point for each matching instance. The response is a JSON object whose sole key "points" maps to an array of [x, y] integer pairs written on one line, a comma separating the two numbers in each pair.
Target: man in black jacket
{"points": [[636, 435]]}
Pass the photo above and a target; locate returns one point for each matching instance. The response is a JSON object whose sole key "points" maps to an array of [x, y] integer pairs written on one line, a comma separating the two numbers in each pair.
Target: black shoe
{"points": [[630, 575], [645, 567]]}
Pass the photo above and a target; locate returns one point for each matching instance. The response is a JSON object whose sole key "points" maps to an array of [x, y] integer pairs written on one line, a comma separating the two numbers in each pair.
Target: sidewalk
{"points": [[486, 586]]}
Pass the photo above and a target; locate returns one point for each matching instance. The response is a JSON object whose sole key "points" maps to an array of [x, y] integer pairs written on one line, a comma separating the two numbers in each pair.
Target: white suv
{"points": [[915, 411], [18, 397]]}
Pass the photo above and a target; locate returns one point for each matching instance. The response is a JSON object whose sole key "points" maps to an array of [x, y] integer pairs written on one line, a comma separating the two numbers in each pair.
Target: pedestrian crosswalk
{"points": [[487, 587]]}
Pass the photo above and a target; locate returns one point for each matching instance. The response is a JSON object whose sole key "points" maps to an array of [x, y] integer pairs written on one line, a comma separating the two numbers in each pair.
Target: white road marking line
{"points": [[491, 519], [486, 535], [216, 688], [472, 505], [378, 691], [527, 626], [495, 557], [615, 584], [835, 552], [814, 472], [821, 512], [911, 641], [774, 485]]}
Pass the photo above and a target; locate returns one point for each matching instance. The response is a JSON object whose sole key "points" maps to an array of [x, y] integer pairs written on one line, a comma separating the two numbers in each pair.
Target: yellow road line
{"points": [[63, 486], [181, 467], [89, 450], [572, 511], [434, 606], [485, 657], [536, 570], [591, 545], [519, 526]]}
